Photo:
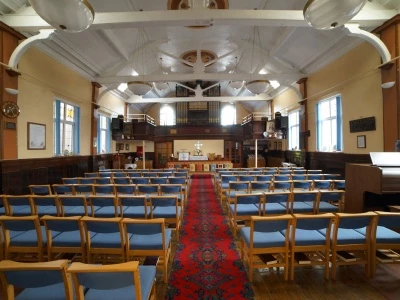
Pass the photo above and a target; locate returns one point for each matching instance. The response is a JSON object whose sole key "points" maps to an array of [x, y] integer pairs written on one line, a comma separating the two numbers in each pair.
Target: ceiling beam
{"points": [[281, 78], [135, 99], [274, 18]]}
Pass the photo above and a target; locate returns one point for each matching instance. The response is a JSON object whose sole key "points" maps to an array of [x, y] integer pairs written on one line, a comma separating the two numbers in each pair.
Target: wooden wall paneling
{"points": [[94, 106], [303, 116]]}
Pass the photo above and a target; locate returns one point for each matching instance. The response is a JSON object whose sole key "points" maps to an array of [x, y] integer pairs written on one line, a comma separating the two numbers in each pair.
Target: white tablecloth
{"points": [[198, 157]]}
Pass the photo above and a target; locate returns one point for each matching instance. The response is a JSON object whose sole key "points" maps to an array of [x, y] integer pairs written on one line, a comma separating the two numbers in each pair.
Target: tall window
{"points": [[167, 116], [293, 133], [228, 115], [103, 134], [66, 128], [329, 124]]}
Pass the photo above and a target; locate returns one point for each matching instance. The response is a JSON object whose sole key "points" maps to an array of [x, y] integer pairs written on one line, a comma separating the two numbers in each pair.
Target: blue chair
{"points": [[103, 189], [270, 172], [315, 176], [140, 180], [330, 201], [147, 190], [121, 281], [265, 238], [181, 181], [43, 280], [173, 190], [299, 177], [73, 205], [223, 184], [245, 177], [306, 238], [282, 186], [23, 235], [125, 189], [169, 208], [260, 186], [134, 174], [385, 240], [347, 238], [322, 185], [276, 203], [121, 180], [45, 205], [64, 235], [339, 185], [84, 189], [63, 189], [302, 185], [87, 180], [148, 238], [303, 202], [18, 205], [332, 176], [263, 177], [118, 174], [243, 207], [236, 187], [70, 180], [104, 237], [283, 177], [103, 180], [164, 174], [105, 174], [104, 206], [158, 180], [40, 189], [135, 207], [92, 174]]}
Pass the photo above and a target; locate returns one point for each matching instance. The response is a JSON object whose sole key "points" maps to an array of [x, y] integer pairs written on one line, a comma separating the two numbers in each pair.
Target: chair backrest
{"points": [[68, 201], [101, 225], [227, 178], [86, 189], [103, 189], [307, 196], [299, 177], [93, 174], [281, 197], [248, 199], [118, 174], [389, 220], [134, 174], [62, 224], [158, 180], [263, 177], [147, 188], [20, 223], [339, 184], [36, 275], [322, 184], [131, 200], [145, 227], [264, 186], [164, 201], [170, 189], [127, 189], [302, 184], [270, 172], [87, 180], [331, 176], [46, 202], [354, 220], [245, 178], [282, 185], [271, 223], [239, 186], [121, 180], [107, 278], [40, 189], [177, 180], [104, 201], [313, 222], [284, 177], [13, 203], [105, 174], [315, 176], [70, 180], [63, 189], [140, 180], [103, 180]]}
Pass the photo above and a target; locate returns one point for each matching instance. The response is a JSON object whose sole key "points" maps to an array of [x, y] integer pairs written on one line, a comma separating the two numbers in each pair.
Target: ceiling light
{"points": [[275, 84], [236, 84], [329, 14], [67, 15], [162, 85], [122, 87], [257, 86], [139, 88]]}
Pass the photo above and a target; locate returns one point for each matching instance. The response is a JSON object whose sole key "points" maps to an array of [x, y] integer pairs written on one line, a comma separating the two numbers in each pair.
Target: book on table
{"points": [[302, 258], [268, 259], [346, 256], [383, 257]]}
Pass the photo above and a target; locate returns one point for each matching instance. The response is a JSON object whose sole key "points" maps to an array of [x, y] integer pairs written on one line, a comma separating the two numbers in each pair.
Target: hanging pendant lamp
{"points": [[329, 14], [139, 88], [67, 15], [257, 86]]}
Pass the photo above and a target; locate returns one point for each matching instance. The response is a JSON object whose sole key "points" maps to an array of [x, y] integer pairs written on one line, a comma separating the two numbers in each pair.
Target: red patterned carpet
{"points": [[206, 264]]}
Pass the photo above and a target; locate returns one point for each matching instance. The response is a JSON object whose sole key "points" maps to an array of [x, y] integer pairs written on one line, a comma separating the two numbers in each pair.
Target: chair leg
{"points": [[326, 271], [286, 272], [333, 262], [165, 269], [292, 265], [250, 256]]}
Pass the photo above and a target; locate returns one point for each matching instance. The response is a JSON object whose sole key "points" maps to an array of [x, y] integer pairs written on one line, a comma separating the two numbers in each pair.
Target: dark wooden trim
{"points": [[13, 32], [388, 23]]}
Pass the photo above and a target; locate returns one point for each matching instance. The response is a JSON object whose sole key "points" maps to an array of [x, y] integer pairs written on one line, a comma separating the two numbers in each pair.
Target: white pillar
{"points": [[144, 153], [256, 153]]}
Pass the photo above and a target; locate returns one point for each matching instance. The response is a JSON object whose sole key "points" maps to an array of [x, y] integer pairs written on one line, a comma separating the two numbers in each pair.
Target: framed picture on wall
{"points": [[36, 136], [126, 146], [119, 146], [361, 141], [270, 127]]}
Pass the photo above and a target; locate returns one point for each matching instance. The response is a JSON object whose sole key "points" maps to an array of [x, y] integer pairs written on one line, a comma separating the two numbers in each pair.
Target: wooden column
{"points": [[93, 131], [390, 35], [303, 119], [8, 79]]}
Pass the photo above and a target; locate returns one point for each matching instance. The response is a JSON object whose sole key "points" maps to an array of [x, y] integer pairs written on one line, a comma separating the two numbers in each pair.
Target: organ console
{"points": [[373, 186]]}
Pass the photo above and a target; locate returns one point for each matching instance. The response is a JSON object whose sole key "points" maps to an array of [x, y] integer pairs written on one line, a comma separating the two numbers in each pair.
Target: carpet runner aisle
{"points": [[206, 263]]}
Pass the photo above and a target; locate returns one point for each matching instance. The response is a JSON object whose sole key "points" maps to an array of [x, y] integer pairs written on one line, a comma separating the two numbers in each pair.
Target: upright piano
{"points": [[373, 186]]}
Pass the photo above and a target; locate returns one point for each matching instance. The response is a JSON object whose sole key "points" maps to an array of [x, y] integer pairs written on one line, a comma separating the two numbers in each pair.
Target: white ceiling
{"points": [[110, 49]]}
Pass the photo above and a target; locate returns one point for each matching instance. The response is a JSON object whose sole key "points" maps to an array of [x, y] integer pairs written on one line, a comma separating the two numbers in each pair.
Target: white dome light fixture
{"points": [[139, 88], [257, 86], [329, 14], [161, 85], [237, 84], [66, 15]]}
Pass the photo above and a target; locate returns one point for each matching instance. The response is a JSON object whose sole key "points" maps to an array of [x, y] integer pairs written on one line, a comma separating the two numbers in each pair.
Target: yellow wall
{"points": [[241, 112], [355, 76], [209, 146], [44, 80], [154, 112]]}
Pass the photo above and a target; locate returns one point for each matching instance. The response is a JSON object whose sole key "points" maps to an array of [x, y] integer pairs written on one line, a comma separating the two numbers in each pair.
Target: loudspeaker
{"points": [[278, 123], [284, 122], [117, 124]]}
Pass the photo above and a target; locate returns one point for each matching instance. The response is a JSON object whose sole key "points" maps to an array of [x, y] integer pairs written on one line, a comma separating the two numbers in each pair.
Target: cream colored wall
{"points": [[241, 112], [356, 77], [209, 146], [286, 102], [111, 104], [44, 80], [149, 146]]}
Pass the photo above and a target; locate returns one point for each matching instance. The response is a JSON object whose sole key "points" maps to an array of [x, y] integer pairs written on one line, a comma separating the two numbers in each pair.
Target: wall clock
{"points": [[10, 109]]}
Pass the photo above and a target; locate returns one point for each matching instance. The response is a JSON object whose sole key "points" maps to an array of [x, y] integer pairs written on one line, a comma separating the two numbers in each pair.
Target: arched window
{"points": [[167, 116], [228, 114]]}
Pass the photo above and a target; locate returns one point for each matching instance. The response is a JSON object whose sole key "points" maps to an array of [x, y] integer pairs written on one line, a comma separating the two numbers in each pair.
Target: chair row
{"points": [[52, 280], [141, 173], [243, 206], [93, 239], [290, 241], [125, 180]]}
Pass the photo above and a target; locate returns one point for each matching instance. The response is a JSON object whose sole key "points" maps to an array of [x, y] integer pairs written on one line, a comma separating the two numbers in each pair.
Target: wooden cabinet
{"points": [[233, 152], [163, 151]]}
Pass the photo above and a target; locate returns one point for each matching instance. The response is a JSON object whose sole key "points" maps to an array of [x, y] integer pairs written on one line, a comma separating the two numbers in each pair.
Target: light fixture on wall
{"points": [[198, 145], [11, 91], [388, 85], [329, 14], [257, 86], [67, 15], [137, 87]]}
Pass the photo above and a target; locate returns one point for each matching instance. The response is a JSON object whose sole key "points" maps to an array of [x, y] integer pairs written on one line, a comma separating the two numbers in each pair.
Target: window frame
{"points": [[339, 125], [233, 106], [58, 123], [290, 126], [107, 131]]}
